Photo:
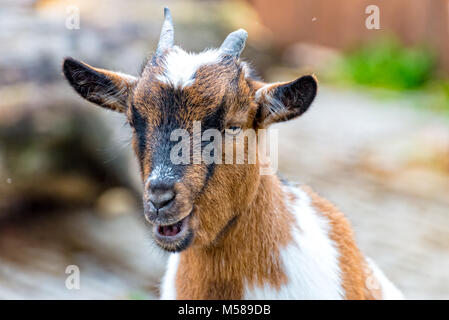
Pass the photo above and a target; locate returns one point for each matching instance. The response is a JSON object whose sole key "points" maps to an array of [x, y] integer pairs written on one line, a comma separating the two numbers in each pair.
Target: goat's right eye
{"points": [[233, 130]]}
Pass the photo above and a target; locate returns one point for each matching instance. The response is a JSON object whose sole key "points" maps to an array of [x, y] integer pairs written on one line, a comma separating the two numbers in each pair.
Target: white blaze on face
{"points": [[180, 66], [160, 173]]}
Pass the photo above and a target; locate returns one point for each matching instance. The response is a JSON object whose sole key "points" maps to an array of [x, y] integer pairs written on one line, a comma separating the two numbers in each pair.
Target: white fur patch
{"points": [[161, 172], [168, 288], [310, 262], [180, 66]]}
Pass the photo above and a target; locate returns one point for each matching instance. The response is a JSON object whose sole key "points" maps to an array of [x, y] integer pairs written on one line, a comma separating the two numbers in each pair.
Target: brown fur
{"points": [[247, 253]]}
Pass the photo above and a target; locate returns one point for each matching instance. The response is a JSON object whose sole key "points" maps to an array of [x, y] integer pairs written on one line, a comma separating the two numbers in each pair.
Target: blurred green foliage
{"points": [[445, 90], [388, 64]]}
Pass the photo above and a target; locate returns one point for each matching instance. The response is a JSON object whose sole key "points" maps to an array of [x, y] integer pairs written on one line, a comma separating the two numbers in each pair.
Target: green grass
{"points": [[387, 64]]}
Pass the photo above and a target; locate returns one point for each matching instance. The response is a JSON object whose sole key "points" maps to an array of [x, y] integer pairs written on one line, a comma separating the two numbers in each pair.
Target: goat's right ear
{"points": [[106, 88]]}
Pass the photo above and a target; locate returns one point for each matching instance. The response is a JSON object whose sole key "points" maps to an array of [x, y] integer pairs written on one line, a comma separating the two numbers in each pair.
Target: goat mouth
{"points": [[172, 231], [174, 237]]}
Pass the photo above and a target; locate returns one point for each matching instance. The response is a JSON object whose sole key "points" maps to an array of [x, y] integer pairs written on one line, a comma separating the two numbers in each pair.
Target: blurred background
{"points": [[375, 142]]}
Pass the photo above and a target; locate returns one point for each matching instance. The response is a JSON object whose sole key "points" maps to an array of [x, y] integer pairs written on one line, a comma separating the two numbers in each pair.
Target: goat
{"points": [[232, 233]]}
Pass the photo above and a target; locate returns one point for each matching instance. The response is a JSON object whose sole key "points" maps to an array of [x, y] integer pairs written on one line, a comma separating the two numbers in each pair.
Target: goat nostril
{"points": [[161, 197]]}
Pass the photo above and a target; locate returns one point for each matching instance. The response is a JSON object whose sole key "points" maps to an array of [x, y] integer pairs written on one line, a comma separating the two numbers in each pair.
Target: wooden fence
{"points": [[341, 23]]}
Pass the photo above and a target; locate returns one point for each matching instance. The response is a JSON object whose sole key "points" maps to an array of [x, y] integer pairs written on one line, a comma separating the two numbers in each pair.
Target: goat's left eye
{"points": [[233, 130]]}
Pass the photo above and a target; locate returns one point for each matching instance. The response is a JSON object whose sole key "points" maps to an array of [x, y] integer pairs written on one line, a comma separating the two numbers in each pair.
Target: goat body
{"points": [[289, 244]]}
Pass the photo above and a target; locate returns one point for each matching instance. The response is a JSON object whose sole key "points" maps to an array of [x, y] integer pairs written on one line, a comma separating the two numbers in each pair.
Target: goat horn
{"points": [[167, 33], [234, 43]]}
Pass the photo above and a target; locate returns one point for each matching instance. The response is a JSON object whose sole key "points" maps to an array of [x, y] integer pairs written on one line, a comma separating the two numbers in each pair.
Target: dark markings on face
{"points": [[170, 106], [140, 127], [214, 120]]}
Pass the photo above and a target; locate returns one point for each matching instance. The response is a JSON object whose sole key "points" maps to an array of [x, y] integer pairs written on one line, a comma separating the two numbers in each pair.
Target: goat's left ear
{"points": [[106, 88], [286, 100]]}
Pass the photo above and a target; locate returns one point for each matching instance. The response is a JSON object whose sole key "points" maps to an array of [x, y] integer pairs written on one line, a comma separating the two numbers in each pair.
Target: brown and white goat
{"points": [[232, 232]]}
